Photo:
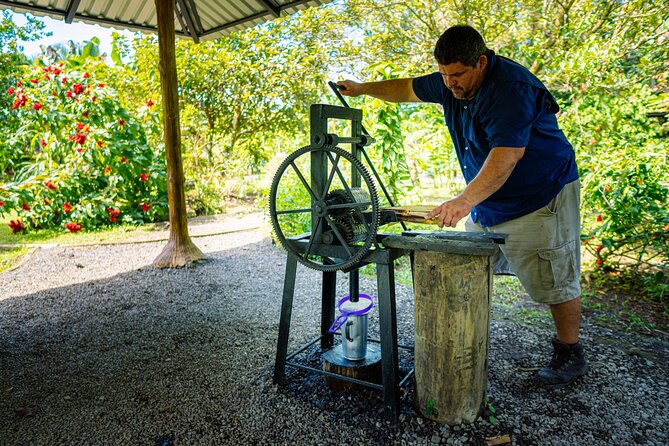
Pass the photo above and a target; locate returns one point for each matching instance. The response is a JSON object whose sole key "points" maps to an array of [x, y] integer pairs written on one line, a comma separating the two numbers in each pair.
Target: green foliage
{"points": [[388, 153], [79, 160], [606, 63], [245, 98]]}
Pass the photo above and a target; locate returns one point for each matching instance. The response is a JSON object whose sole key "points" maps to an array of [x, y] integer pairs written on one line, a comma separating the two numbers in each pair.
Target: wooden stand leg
{"points": [[284, 321]]}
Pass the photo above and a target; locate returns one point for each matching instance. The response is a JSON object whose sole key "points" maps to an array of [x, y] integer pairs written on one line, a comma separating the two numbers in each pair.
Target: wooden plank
{"points": [[420, 243], [496, 237]]}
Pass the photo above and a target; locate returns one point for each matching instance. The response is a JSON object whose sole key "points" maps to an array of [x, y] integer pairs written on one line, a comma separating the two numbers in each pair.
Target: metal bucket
{"points": [[353, 324]]}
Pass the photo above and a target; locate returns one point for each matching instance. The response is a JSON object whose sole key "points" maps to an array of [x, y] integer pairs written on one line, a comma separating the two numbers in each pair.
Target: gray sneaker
{"points": [[567, 364]]}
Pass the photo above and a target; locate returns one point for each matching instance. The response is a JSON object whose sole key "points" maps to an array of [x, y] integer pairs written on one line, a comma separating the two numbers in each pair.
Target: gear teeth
{"points": [[338, 196]]}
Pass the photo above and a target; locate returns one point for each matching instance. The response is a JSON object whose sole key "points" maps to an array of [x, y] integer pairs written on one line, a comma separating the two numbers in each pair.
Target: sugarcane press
{"points": [[331, 191]]}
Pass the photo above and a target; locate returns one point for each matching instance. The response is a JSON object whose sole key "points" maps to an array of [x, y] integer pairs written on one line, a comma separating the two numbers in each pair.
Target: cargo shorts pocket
{"points": [[557, 266]]}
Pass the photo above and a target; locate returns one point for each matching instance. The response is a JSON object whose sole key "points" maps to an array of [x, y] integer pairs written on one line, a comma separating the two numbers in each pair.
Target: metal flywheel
{"points": [[324, 207]]}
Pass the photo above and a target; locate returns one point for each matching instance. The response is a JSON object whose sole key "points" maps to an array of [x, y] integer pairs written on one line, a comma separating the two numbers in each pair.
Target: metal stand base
{"points": [[384, 260]]}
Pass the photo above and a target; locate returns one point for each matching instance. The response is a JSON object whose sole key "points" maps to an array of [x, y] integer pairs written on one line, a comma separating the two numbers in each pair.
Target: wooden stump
{"points": [[452, 319], [368, 369], [452, 290]]}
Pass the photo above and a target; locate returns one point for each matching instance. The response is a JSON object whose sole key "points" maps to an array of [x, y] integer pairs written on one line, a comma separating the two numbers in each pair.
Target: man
{"points": [[520, 171]]}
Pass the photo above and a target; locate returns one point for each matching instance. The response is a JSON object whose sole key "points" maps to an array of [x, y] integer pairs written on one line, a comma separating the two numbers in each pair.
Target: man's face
{"points": [[464, 81]]}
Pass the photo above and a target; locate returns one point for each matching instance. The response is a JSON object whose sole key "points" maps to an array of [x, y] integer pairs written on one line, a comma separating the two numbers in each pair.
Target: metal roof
{"points": [[197, 19]]}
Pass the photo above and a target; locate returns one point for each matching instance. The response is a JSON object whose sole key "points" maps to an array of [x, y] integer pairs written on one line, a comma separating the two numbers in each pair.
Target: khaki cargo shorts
{"points": [[544, 248]]}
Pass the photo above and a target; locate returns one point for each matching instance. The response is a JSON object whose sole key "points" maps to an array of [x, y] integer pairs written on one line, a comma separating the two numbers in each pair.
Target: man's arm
{"points": [[392, 90], [495, 171]]}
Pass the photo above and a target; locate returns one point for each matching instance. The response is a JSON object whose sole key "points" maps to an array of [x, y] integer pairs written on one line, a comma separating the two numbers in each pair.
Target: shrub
{"points": [[79, 157]]}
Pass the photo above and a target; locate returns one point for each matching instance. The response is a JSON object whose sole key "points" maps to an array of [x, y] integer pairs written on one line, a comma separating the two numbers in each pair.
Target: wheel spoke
{"points": [[341, 238], [331, 176], [311, 239], [294, 211], [362, 204], [304, 182]]}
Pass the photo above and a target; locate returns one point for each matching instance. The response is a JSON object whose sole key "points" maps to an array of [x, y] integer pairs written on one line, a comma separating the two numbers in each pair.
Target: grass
{"points": [[13, 247]]}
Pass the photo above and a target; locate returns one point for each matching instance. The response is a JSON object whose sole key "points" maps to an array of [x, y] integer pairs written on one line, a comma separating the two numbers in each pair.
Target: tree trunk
{"points": [[179, 250]]}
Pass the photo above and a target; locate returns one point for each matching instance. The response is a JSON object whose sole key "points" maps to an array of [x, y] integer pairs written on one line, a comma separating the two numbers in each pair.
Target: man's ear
{"points": [[483, 61]]}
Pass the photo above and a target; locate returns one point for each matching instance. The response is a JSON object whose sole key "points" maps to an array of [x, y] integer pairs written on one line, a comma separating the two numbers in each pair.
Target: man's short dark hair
{"points": [[460, 43]]}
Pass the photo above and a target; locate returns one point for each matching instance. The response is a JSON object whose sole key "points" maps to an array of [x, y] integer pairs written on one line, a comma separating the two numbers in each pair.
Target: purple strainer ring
{"points": [[343, 317]]}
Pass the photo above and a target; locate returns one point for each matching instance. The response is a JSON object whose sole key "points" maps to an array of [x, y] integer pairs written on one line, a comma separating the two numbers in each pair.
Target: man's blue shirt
{"points": [[511, 109]]}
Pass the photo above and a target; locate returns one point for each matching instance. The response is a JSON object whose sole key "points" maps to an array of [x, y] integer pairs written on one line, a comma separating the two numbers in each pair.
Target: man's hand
{"points": [[351, 88], [450, 212]]}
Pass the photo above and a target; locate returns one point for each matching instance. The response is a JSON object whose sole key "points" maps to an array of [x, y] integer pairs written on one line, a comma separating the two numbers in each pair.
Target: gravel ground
{"points": [[97, 347]]}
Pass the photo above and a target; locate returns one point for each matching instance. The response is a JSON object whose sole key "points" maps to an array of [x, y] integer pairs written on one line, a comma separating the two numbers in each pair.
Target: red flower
{"points": [[599, 261], [607, 188], [599, 248], [64, 80], [143, 177], [144, 206], [19, 83], [78, 88], [85, 114], [46, 201], [43, 143], [101, 85], [124, 159], [73, 227], [86, 75], [93, 98], [99, 143], [121, 121], [53, 93], [1, 203], [20, 100], [113, 214], [80, 138], [68, 94], [56, 71], [149, 103], [16, 226], [37, 106], [34, 80], [50, 185], [67, 207], [80, 125], [107, 169], [599, 218], [79, 150], [25, 207], [10, 91]]}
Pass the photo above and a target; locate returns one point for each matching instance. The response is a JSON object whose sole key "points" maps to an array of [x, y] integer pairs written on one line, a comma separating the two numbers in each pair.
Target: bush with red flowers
{"points": [[86, 160]]}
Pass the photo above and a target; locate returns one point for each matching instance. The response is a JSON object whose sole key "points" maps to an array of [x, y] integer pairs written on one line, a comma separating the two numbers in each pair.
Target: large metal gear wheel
{"points": [[294, 208]]}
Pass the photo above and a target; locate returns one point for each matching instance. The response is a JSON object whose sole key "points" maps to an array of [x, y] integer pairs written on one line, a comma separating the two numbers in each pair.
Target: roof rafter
{"points": [[186, 13], [71, 10], [276, 11]]}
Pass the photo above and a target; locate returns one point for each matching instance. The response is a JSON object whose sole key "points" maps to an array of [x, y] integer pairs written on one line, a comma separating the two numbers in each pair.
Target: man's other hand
{"points": [[450, 212]]}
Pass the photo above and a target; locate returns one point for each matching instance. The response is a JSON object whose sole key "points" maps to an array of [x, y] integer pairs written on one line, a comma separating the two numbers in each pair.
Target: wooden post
{"points": [[452, 291], [451, 323], [179, 250]]}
